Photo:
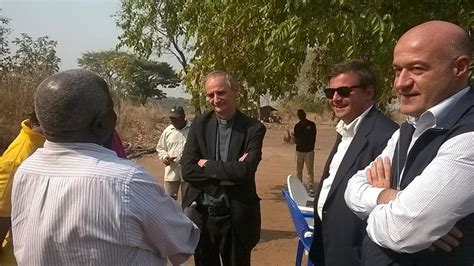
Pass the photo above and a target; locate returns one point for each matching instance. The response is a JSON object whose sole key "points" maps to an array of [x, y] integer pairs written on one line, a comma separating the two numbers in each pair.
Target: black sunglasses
{"points": [[344, 91]]}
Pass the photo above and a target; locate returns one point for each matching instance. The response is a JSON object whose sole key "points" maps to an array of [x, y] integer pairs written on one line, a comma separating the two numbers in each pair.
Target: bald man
{"points": [[75, 202], [418, 195]]}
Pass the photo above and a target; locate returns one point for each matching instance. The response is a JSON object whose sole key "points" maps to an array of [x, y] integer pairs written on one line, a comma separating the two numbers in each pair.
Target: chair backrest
{"points": [[301, 226], [297, 191]]}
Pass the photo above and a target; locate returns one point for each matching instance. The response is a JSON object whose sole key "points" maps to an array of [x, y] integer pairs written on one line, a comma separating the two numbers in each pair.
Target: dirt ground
{"points": [[278, 241]]}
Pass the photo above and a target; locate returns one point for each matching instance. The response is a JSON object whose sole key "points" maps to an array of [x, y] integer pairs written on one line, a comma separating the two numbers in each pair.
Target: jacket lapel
{"points": [[211, 134], [237, 138], [355, 148], [327, 165]]}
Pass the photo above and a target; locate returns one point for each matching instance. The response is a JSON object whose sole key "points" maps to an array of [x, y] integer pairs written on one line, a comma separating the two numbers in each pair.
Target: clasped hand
{"points": [[379, 175]]}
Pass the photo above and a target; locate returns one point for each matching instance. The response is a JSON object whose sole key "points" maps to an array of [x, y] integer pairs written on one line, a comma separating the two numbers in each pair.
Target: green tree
{"points": [[369, 30], [4, 49], [153, 28], [34, 56], [131, 76], [264, 43]]}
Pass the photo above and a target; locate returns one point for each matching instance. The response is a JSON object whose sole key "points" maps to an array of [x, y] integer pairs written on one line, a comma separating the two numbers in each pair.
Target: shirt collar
{"points": [[436, 114], [188, 124], [351, 129], [58, 146], [229, 121]]}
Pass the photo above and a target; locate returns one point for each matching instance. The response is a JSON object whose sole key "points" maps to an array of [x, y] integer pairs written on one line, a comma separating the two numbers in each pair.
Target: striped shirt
{"points": [[432, 204], [79, 204]]}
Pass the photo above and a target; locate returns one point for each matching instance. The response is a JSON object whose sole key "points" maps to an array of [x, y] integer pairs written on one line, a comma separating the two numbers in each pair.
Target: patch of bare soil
{"points": [[278, 240]]}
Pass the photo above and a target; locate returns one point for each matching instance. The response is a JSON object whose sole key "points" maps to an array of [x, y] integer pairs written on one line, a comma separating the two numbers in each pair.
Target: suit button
{"points": [[324, 212]]}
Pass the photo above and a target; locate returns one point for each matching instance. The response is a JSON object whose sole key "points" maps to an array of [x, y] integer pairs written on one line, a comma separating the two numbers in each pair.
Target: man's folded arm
{"points": [[239, 171]]}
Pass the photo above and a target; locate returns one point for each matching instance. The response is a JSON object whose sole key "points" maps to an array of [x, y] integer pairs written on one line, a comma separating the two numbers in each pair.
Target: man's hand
{"points": [[244, 156], [379, 173], [448, 241], [168, 160], [202, 162], [386, 196]]}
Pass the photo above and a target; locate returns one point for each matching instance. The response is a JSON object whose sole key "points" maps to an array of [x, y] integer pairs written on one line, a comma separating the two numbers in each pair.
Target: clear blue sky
{"points": [[78, 26]]}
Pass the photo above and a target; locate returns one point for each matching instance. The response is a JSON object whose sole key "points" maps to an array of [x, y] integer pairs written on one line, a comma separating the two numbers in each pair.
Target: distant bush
{"points": [[16, 101]]}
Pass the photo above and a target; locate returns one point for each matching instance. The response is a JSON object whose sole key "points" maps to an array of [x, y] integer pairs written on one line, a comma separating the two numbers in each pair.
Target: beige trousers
{"points": [[305, 158], [172, 188]]}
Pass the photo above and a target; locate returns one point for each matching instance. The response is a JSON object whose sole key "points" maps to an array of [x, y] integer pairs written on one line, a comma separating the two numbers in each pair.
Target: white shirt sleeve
{"points": [[158, 220], [162, 147], [431, 205], [361, 197]]}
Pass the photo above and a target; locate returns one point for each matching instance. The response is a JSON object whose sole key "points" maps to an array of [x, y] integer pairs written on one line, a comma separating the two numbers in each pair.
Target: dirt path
{"points": [[278, 241]]}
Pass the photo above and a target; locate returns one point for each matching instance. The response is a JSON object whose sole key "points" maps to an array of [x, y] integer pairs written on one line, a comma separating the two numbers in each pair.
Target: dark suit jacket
{"points": [[247, 137], [338, 238]]}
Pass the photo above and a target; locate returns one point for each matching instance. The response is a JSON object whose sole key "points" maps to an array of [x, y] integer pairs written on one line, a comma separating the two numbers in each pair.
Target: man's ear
{"points": [[461, 66], [371, 91], [103, 125]]}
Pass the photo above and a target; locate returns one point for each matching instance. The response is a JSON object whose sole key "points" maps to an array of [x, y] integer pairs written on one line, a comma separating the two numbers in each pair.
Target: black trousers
{"points": [[218, 243]]}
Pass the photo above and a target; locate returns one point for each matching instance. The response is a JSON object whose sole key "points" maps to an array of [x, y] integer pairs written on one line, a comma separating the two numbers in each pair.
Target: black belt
{"points": [[213, 210]]}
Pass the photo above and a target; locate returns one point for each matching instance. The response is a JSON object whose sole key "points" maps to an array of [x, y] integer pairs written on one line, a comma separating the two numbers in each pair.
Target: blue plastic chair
{"points": [[304, 233]]}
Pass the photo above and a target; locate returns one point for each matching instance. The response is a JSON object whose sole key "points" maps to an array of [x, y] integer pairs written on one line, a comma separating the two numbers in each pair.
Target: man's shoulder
{"points": [[249, 121], [382, 120], [97, 164]]}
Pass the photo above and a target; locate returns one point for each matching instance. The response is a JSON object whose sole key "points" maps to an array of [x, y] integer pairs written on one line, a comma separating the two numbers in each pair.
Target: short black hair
{"points": [[359, 67], [68, 101]]}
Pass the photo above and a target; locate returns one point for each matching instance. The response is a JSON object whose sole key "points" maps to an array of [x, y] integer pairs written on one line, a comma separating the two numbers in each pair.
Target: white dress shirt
{"points": [[79, 204], [347, 132], [171, 143], [433, 202]]}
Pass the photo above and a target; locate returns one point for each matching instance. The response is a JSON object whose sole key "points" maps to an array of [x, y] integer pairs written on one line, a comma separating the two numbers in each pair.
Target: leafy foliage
{"points": [[35, 55], [20, 73], [4, 49], [154, 28], [131, 76], [264, 43]]}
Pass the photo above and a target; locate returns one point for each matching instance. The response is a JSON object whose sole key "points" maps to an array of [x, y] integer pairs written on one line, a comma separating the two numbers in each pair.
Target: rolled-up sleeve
{"points": [[360, 196]]}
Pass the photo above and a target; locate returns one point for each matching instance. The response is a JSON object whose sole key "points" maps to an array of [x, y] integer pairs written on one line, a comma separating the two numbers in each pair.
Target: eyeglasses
{"points": [[344, 91]]}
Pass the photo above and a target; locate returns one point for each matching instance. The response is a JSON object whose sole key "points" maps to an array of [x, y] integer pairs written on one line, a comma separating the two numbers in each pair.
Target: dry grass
{"points": [[16, 101], [138, 125], [141, 126]]}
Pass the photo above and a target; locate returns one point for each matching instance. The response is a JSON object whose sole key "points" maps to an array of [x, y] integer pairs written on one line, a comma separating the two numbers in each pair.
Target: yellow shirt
{"points": [[21, 148]]}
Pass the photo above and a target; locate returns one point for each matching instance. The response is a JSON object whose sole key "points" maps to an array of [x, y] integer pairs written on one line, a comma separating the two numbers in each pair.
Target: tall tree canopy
{"points": [[131, 76], [264, 43], [34, 56]]}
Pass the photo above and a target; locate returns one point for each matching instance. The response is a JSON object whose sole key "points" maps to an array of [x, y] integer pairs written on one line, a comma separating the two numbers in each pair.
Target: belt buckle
{"points": [[212, 211]]}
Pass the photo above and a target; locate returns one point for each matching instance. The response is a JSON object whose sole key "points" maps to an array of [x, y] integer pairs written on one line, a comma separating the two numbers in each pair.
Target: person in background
{"points": [[170, 149], [305, 138], [220, 158], [74, 202], [114, 142], [28, 140], [361, 135]]}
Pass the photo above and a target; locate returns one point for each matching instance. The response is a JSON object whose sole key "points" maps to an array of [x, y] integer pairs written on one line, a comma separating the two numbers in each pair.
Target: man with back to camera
{"points": [[75, 202], [170, 149], [418, 195], [220, 158], [362, 133], [305, 138]]}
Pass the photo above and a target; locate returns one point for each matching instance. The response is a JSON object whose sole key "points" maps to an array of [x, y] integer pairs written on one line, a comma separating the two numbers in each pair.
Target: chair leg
{"points": [[299, 253]]}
